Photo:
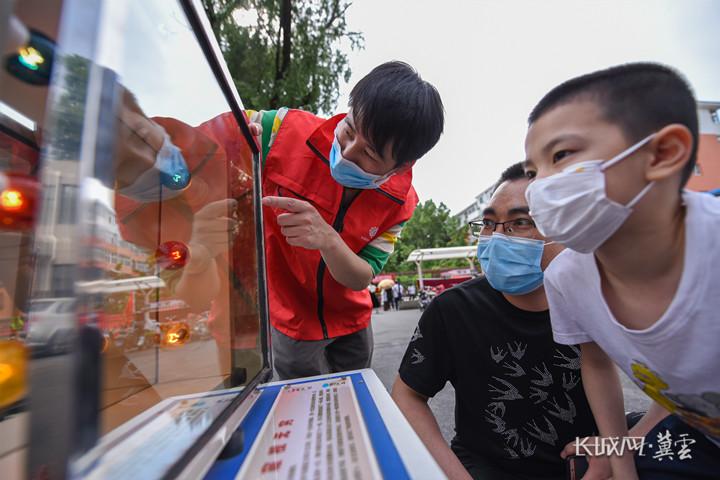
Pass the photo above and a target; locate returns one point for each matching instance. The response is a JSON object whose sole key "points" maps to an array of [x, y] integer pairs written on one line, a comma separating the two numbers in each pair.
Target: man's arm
{"points": [[345, 266], [303, 226], [416, 410], [604, 393]]}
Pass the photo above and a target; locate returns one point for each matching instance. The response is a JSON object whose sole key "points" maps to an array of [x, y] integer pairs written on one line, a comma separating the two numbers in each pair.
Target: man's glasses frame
{"points": [[487, 227]]}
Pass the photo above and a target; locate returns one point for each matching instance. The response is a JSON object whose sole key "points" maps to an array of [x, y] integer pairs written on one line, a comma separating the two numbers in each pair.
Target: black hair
{"points": [[638, 97], [393, 105], [516, 171]]}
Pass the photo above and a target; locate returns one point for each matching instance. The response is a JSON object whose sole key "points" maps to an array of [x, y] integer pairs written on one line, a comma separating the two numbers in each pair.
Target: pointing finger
{"points": [[289, 204]]}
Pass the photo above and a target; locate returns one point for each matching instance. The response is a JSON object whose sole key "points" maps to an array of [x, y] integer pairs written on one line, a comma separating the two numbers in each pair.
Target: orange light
{"points": [[175, 334], [11, 199], [176, 254], [18, 198], [5, 371]]}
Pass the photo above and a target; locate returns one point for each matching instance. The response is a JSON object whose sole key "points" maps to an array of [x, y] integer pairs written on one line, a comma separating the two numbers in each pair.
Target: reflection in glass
{"points": [[137, 271], [173, 243]]}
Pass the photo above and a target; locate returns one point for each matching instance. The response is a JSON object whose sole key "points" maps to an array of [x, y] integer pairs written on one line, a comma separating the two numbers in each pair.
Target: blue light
{"points": [[178, 179]]}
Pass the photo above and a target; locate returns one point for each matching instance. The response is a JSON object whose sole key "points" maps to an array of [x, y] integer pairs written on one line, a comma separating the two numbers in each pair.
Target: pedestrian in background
{"points": [[395, 296], [373, 297]]}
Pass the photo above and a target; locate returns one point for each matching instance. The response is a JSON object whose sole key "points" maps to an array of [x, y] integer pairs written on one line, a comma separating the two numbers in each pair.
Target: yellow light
{"points": [[11, 199], [13, 366], [173, 337], [30, 57]]}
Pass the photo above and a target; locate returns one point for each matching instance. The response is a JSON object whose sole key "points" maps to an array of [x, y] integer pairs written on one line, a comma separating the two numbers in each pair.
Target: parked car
{"points": [[51, 326]]}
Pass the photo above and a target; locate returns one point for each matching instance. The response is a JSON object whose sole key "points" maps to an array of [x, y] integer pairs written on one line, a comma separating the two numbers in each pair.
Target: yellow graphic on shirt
{"points": [[699, 411], [653, 385]]}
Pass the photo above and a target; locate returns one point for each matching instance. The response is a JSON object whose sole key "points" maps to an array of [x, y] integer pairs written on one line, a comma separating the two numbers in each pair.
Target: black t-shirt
{"points": [[518, 395]]}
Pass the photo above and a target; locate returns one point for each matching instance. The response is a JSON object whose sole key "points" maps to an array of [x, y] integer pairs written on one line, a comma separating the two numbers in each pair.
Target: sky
{"points": [[492, 60]]}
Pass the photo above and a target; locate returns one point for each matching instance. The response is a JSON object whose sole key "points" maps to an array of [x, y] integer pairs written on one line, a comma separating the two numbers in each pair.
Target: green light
{"points": [[33, 62], [30, 58]]}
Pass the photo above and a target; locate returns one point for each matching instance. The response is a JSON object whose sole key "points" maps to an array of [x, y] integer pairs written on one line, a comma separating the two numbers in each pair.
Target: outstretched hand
{"points": [[213, 227], [301, 224]]}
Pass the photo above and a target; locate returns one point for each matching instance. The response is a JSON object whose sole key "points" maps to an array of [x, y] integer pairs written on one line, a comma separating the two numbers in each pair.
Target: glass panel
{"points": [[20, 115], [173, 250], [68, 200], [130, 240]]}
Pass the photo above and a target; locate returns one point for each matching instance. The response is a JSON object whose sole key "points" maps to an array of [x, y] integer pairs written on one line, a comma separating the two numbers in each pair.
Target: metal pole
{"points": [[420, 275]]}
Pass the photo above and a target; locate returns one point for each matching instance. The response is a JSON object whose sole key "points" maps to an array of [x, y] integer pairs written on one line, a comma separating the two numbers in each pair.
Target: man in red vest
{"points": [[337, 193]]}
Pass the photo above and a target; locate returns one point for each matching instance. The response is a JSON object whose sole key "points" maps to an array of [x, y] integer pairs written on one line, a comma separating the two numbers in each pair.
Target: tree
{"points": [[290, 56], [69, 113], [431, 226]]}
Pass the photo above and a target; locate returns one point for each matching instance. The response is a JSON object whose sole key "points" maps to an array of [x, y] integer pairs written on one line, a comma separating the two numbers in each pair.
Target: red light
{"points": [[172, 255]]}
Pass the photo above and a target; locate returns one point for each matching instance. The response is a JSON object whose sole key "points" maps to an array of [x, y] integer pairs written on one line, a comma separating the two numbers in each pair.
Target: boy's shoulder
{"points": [[703, 204], [569, 266]]}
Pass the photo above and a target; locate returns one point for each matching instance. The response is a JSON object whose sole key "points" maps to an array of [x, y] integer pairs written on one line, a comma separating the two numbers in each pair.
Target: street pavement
{"points": [[392, 331]]}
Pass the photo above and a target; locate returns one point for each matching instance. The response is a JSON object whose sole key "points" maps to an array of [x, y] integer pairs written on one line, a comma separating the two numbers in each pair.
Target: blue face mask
{"points": [[349, 174], [164, 180], [511, 264]]}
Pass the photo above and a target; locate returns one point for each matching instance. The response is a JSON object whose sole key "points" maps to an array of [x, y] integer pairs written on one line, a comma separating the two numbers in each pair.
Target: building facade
{"points": [[474, 210], [706, 176]]}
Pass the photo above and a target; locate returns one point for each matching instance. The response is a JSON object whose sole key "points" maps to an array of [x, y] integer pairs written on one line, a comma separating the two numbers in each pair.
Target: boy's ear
{"points": [[672, 147]]}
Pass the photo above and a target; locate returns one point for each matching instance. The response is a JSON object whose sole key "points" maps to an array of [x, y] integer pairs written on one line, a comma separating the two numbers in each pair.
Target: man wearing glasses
{"points": [[518, 395]]}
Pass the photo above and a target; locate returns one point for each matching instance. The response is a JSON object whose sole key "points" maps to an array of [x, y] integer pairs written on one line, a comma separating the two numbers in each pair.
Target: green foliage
{"points": [[431, 226], [291, 57]]}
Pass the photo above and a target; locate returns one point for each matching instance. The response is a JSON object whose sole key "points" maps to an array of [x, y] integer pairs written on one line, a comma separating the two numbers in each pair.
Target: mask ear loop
{"points": [[622, 155], [640, 195]]}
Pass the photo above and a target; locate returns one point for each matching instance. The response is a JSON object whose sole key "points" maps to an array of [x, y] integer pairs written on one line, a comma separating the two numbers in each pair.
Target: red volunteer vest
{"points": [[306, 302]]}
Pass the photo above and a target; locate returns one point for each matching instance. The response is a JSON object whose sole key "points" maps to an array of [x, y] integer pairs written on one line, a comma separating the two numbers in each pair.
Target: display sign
{"points": [[340, 426], [150, 444], [314, 430]]}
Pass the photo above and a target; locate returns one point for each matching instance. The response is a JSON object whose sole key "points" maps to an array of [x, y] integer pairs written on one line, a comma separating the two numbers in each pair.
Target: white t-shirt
{"points": [[677, 360]]}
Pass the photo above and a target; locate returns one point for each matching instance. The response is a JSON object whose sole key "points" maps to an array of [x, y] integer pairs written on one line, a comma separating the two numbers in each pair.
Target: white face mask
{"points": [[572, 207]]}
